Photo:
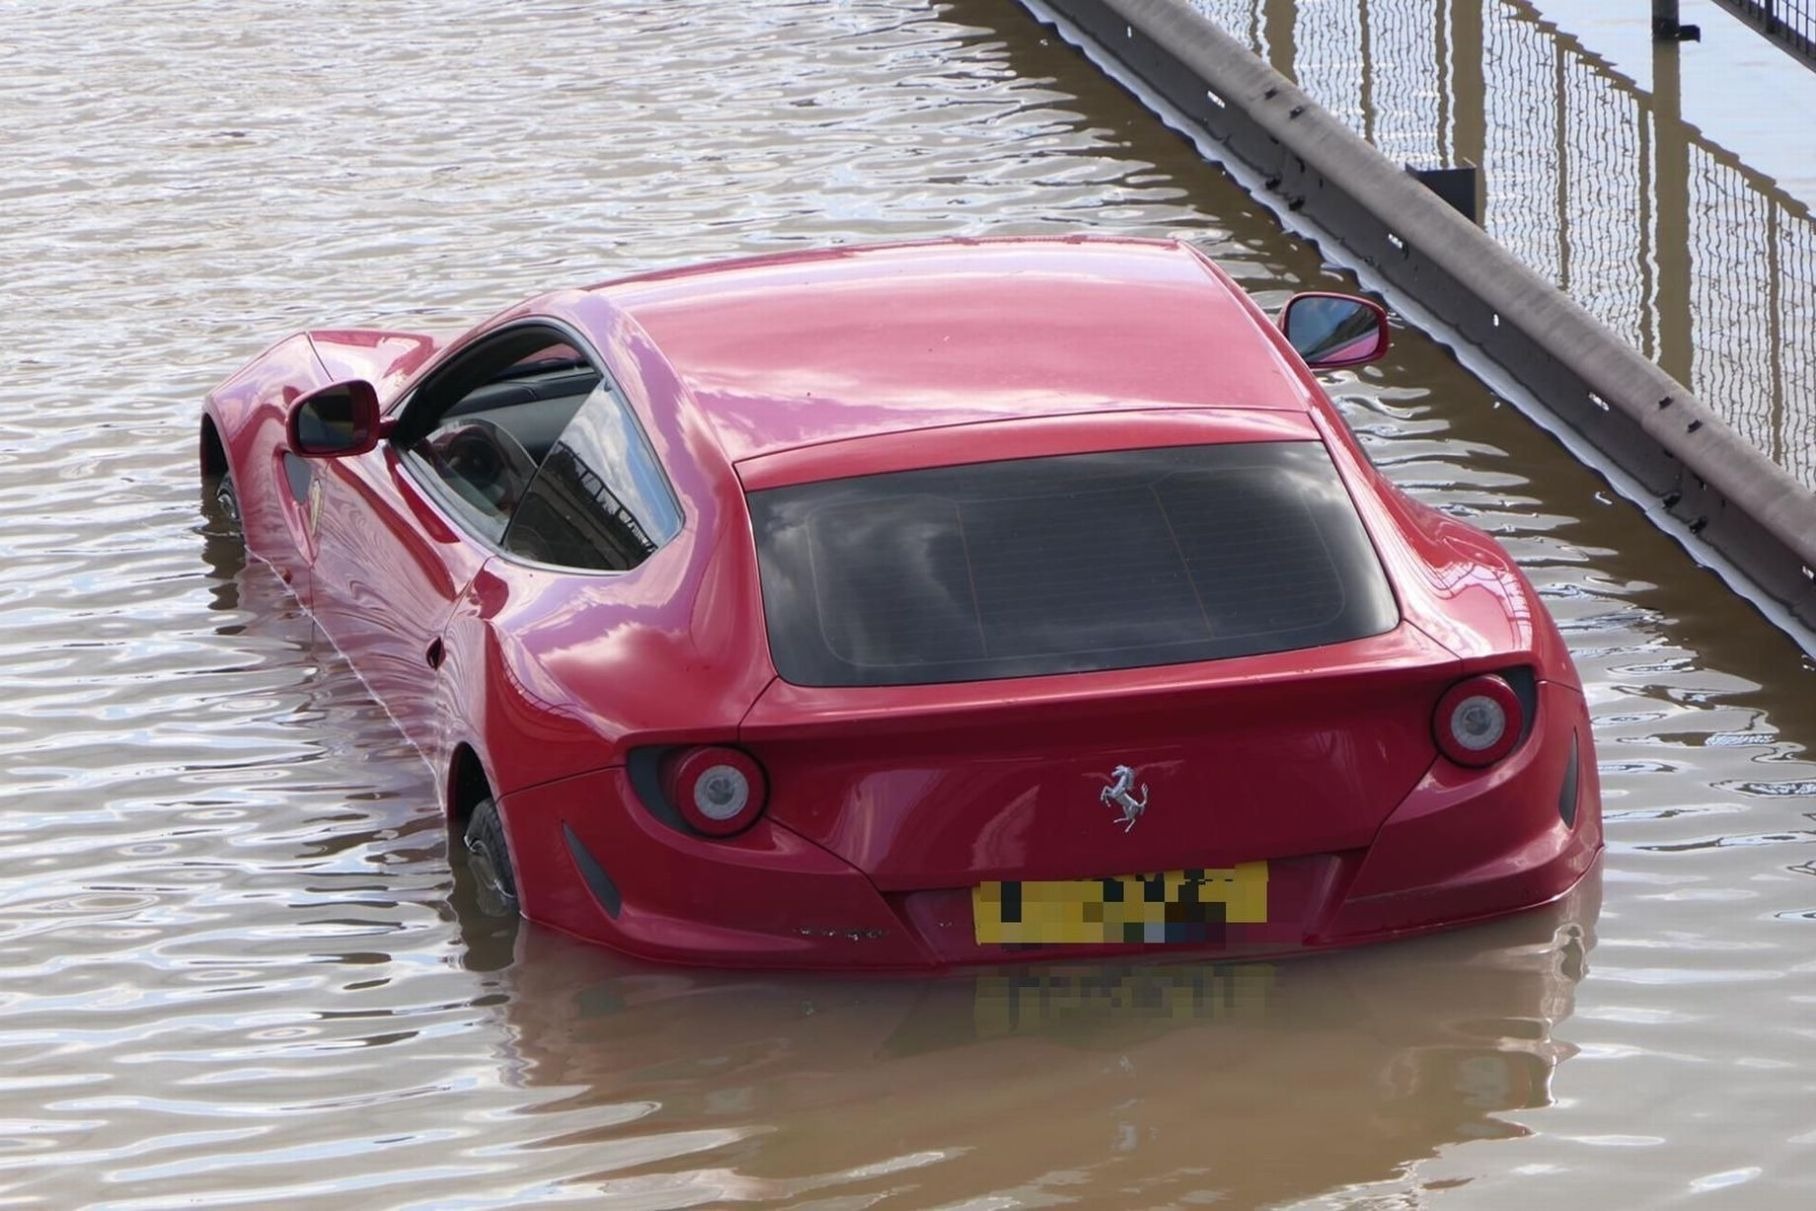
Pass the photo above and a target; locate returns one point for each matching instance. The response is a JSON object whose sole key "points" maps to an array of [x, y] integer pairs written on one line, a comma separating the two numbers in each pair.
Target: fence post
{"points": [[1675, 311], [1281, 17]]}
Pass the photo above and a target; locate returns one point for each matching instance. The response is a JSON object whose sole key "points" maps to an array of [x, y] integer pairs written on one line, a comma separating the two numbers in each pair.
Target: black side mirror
{"points": [[335, 421], [1332, 330]]}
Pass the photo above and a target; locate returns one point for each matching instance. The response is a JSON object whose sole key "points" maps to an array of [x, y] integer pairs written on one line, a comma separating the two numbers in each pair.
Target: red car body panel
{"points": [[387, 360], [916, 337], [888, 804], [1031, 437], [1268, 756]]}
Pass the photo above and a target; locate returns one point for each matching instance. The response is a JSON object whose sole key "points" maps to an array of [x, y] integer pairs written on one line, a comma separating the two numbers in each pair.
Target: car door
{"points": [[401, 532]]}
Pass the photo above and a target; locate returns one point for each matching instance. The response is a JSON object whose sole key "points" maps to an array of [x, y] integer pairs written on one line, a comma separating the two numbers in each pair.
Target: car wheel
{"points": [[226, 501], [227, 498], [490, 861]]}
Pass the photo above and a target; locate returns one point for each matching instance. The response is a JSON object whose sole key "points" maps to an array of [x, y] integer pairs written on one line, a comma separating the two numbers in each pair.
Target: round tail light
{"points": [[1478, 721], [718, 791]]}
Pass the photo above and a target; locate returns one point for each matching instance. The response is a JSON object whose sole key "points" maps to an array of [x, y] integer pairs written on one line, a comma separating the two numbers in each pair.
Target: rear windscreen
{"points": [[1066, 564]]}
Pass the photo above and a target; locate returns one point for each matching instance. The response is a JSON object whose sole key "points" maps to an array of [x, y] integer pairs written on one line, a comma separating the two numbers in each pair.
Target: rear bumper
{"points": [[1463, 846]]}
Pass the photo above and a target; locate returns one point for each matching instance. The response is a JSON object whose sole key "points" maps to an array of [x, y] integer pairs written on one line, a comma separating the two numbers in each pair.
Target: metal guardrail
{"points": [[1790, 23], [1695, 259], [1692, 472]]}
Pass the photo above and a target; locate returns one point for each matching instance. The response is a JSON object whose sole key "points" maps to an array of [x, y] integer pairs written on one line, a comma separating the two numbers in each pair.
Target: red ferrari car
{"points": [[921, 605]]}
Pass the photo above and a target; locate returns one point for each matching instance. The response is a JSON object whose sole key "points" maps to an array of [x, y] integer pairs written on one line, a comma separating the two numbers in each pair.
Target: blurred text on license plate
{"points": [[1174, 906]]}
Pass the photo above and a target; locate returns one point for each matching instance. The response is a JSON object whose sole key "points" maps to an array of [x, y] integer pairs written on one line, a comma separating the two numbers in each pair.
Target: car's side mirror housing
{"points": [[335, 421], [1333, 330]]}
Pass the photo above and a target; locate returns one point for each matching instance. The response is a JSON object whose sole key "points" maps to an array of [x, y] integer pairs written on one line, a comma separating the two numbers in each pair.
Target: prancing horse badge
{"points": [[1120, 795]]}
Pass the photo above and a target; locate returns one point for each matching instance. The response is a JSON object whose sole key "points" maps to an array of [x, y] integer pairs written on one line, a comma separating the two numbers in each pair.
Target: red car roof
{"points": [[799, 349]]}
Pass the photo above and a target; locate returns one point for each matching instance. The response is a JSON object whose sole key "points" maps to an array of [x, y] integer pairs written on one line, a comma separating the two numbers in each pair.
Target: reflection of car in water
{"points": [[1256, 1083]]}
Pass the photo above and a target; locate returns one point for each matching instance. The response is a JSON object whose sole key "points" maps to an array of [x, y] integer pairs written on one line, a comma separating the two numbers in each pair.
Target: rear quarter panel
{"points": [[1453, 580], [557, 673]]}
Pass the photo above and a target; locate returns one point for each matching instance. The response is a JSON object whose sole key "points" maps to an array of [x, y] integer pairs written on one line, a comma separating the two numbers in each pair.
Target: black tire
{"points": [[489, 858]]}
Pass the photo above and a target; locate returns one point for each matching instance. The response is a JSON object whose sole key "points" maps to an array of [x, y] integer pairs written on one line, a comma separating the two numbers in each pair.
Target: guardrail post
{"points": [[1459, 185], [1667, 28]]}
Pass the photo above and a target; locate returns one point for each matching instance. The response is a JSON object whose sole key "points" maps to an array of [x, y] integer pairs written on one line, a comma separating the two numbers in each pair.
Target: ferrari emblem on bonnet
{"points": [[1119, 794]]}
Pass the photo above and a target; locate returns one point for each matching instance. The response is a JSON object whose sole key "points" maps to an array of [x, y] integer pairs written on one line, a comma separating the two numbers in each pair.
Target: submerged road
{"points": [[237, 970]]}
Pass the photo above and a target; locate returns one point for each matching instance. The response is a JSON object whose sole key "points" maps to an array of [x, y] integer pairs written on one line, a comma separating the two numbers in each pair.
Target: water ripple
{"points": [[235, 967]]}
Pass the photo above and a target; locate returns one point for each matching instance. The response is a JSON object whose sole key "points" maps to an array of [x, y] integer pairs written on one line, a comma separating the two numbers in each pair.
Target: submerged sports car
{"points": [[921, 605]]}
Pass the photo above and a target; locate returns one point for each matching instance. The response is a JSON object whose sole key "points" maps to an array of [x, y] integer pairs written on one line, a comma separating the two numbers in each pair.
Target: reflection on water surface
{"points": [[237, 969], [1166, 1082]]}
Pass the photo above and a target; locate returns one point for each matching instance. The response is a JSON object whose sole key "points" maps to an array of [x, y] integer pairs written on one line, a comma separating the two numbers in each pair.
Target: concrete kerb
{"points": [[1720, 489]]}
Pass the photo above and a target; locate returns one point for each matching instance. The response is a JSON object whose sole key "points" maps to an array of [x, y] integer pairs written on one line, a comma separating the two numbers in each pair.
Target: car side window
{"points": [[600, 501], [483, 425]]}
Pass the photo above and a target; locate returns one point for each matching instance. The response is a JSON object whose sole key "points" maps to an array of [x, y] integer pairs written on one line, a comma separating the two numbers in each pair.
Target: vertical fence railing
{"points": [[1703, 264], [1790, 23]]}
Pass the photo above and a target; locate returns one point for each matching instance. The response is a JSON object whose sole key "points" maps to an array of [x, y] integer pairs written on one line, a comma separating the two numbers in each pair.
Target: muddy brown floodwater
{"points": [[235, 969]]}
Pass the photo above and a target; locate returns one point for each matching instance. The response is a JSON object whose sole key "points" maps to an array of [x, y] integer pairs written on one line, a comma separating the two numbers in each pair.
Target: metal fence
{"points": [[1790, 23], [1702, 263]]}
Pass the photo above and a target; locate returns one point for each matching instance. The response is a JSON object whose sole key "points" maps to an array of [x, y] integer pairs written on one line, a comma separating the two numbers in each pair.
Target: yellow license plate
{"points": [[1174, 906]]}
